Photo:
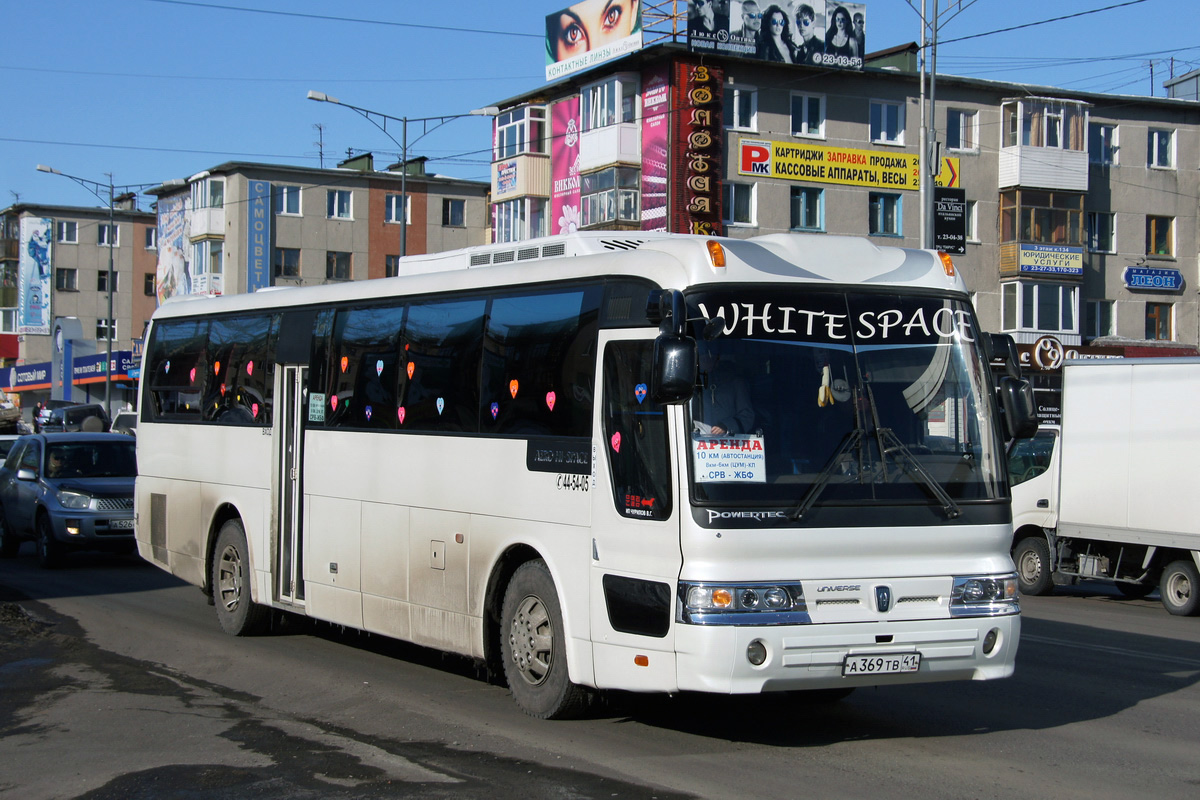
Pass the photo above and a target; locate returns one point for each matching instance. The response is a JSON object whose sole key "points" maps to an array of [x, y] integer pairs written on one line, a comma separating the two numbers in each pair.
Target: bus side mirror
{"points": [[1017, 408], [674, 376], [1001, 347]]}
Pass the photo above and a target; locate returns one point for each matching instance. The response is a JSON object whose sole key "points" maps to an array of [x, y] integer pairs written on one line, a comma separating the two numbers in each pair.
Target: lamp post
{"points": [[97, 188], [380, 121]]}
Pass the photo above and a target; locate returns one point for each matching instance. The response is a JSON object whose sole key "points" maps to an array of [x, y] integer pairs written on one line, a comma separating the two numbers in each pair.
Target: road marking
{"points": [[1119, 651]]}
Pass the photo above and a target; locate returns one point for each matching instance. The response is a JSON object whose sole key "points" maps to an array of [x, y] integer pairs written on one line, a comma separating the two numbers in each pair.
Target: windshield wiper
{"points": [[913, 467], [851, 439]]}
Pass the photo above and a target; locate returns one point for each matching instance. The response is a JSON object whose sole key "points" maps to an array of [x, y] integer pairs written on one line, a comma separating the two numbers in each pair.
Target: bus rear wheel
{"points": [[534, 648], [1180, 588], [231, 576]]}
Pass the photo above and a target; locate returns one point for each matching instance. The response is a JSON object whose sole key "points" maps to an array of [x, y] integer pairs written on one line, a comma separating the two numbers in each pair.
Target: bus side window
{"points": [[178, 370], [635, 433]]}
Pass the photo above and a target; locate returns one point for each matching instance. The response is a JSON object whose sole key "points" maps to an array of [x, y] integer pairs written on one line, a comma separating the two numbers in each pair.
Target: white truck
{"points": [[1114, 492]]}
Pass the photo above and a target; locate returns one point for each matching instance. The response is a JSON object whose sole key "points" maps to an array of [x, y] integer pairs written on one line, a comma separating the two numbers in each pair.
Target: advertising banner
{"points": [[564, 166], [258, 248], [1051, 259], [821, 33], [696, 165], [792, 161], [591, 32], [1152, 279], [950, 220], [656, 119], [172, 277], [34, 276]]}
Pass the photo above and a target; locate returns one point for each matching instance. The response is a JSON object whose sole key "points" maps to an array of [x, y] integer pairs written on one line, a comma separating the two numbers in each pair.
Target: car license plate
{"points": [[881, 664], [120, 524]]}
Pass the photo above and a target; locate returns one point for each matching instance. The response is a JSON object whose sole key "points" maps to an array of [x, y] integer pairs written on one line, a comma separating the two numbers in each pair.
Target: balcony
{"points": [[1044, 144]]}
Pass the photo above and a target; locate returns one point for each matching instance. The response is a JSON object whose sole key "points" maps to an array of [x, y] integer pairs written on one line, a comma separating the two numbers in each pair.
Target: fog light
{"points": [[989, 641], [73, 526], [756, 653]]}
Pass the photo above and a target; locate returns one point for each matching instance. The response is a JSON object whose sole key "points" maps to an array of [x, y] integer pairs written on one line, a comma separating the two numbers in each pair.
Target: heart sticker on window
{"points": [[495, 410], [217, 368], [639, 392], [222, 390], [367, 411], [412, 367], [400, 414], [616, 442], [167, 367], [512, 388], [192, 375], [441, 405], [333, 401], [379, 367], [254, 409], [345, 363], [249, 367], [550, 397]]}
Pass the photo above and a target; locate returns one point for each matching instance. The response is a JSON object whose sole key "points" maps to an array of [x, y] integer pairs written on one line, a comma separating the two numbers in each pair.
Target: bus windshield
{"points": [[840, 398]]}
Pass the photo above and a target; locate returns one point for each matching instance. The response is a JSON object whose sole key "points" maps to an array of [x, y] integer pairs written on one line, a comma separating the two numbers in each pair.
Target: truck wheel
{"points": [[534, 648], [1180, 588], [1034, 573], [231, 576]]}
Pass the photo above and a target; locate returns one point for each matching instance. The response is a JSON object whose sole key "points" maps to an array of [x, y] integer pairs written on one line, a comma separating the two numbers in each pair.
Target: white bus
{"points": [[512, 453]]}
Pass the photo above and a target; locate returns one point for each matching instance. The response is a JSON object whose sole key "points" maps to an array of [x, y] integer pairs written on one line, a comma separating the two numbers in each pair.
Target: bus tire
{"points": [[231, 576], [534, 647], [1034, 573], [1180, 588]]}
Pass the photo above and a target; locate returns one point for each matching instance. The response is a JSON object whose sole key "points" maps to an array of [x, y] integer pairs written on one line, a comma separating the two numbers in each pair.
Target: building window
{"points": [[962, 129], [1158, 321], [1102, 232], [1160, 239], [808, 115], [521, 130], [216, 257], [453, 212], [102, 281], [610, 102], [287, 262], [517, 220], [1040, 123], [391, 266], [102, 327], [887, 122], [741, 108], [1038, 307], [8, 320], [739, 203], [885, 214], [337, 266], [1099, 320], [808, 209], [287, 200], [151, 238], [610, 195], [106, 233], [68, 232], [337, 204], [1041, 217], [392, 205], [1102, 143], [150, 285], [972, 220], [208, 193], [66, 279], [1160, 146]]}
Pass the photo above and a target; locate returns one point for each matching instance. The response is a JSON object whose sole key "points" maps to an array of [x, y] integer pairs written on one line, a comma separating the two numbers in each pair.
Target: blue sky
{"points": [[150, 90]]}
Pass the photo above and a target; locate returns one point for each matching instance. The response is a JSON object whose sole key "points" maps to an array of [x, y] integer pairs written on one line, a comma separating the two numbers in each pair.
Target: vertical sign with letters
{"points": [[258, 244], [696, 167], [950, 220]]}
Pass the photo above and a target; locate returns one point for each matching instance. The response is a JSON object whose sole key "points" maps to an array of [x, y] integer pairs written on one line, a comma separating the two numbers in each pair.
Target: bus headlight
{"points": [[742, 604], [984, 595]]}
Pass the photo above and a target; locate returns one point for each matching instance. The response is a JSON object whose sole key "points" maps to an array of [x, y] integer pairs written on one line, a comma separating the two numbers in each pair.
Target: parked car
{"points": [[7, 441], [68, 491], [77, 418], [125, 422], [44, 414]]}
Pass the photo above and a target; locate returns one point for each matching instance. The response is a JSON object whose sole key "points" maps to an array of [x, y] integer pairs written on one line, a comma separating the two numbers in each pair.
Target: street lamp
{"points": [[96, 187], [381, 120]]}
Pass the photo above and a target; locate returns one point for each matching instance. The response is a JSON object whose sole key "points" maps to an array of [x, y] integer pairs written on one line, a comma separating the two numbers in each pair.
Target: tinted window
{"points": [[91, 460], [368, 363], [538, 362], [176, 369], [635, 433], [439, 390], [238, 389]]}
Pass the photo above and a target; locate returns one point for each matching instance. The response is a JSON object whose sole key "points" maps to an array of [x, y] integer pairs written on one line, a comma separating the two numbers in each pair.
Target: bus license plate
{"points": [[886, 664], [120, 524]]}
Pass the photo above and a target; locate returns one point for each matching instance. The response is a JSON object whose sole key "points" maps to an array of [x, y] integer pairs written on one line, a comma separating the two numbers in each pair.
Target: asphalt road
{"points": [[116, 682]]}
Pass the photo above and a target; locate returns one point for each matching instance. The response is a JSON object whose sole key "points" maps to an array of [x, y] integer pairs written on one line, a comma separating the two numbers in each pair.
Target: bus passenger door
{"points": [[635, 549], [290, 575]]}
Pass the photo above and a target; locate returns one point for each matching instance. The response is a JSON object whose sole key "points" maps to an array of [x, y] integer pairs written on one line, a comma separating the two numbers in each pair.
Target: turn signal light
{"points": [[947, 262], [716, 253]]}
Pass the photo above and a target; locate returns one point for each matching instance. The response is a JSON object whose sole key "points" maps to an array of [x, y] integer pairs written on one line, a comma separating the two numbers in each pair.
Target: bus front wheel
{"points": [[231, 576], [534, 647]]}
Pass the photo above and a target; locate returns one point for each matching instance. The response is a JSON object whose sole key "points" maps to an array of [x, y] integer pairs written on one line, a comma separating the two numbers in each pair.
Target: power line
{"points": [[327, 18], [1030, 24]]}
